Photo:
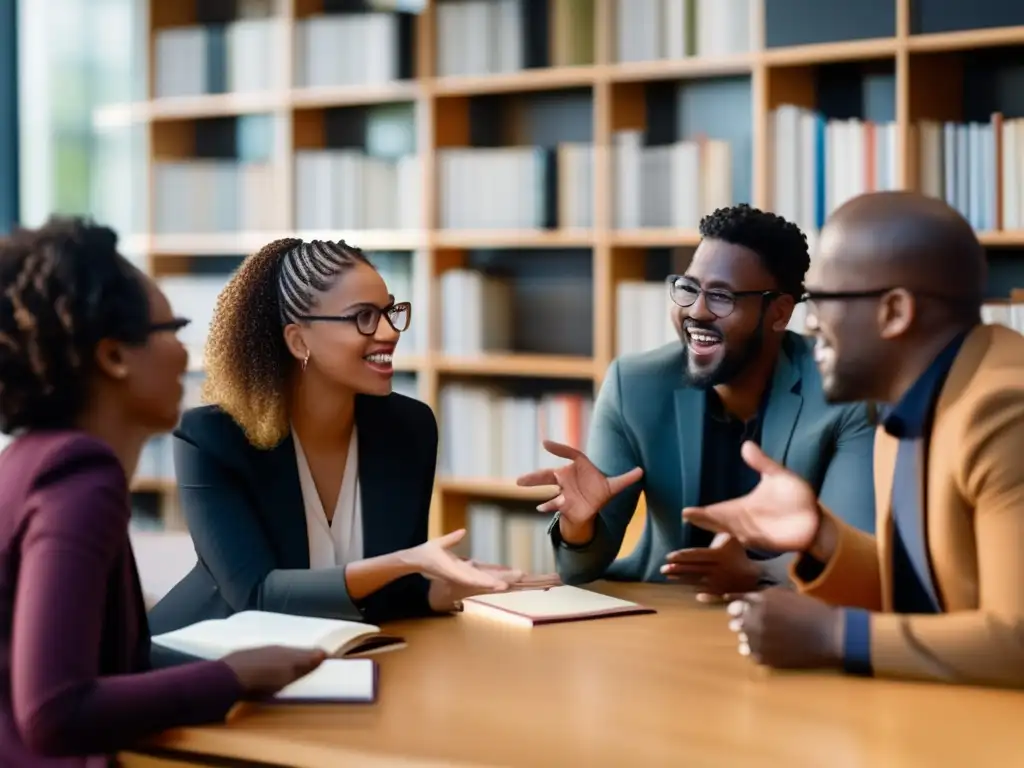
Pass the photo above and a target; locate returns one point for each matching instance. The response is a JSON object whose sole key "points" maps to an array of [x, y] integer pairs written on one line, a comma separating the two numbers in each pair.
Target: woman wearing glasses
{"points": [[305, 482]]}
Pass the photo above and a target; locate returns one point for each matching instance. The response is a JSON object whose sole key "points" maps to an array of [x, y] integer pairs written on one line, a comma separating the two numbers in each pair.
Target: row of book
{"points": [[671, 185], [818, 164], [247, 56], [489, 432], [349, 190], [649, 30], [213, 196], [516, 187], [490, 37], [509, 535], [978, 168]]}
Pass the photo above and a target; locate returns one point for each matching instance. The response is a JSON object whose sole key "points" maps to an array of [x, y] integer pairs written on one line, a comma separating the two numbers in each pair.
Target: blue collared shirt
{"points": [[913, 590]]}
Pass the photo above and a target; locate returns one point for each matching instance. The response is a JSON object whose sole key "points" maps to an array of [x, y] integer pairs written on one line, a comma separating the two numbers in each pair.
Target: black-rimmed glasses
{"points": [[367, 319], [684, 292]]}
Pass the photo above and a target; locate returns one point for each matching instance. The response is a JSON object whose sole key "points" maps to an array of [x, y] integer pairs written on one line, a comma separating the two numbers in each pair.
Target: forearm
{"points": [[841, 567], [110, 713], [365, 577], [586, 563]]}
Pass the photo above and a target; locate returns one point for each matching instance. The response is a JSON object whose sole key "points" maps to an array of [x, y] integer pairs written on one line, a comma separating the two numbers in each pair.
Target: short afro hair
{"points": [[780, 243], [65, 288], [247, 361]]}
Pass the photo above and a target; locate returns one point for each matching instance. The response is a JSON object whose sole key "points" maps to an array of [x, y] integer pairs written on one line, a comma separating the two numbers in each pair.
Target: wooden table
{"points": [[657, 690]]}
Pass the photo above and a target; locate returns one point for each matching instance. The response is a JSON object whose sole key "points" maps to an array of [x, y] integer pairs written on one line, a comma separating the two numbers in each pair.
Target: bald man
{"points": [[939, 593]]}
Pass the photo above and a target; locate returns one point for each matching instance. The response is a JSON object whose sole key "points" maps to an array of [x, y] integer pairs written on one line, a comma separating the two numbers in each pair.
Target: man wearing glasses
{"points": [[939, 594], [670, 422]]}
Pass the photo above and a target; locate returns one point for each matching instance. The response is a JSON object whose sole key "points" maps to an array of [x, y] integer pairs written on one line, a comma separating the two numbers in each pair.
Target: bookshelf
{"points": [[433, 123]]}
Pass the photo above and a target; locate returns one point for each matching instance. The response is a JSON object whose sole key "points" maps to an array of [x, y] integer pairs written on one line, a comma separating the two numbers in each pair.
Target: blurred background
{"points": [[526, 172]]}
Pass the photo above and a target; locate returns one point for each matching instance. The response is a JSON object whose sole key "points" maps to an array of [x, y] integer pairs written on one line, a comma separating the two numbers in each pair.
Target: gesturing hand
{"points": [[434, 560], [582, 488], [719, 569], [781, 514]]}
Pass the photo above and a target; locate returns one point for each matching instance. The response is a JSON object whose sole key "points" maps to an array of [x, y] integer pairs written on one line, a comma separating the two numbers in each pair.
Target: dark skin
{"points": [[583, 490], [929, 260], [134, 393]]}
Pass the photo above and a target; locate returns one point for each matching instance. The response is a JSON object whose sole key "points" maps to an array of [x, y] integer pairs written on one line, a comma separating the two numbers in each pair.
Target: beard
{"points": [[731, 365]]}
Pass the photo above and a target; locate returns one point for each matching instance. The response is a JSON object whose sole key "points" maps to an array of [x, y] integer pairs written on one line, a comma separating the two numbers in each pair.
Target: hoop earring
{"points": [[305, 360]]}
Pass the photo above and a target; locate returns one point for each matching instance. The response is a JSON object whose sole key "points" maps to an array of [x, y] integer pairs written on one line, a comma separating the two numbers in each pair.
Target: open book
{"points": [[336, 681], [550, 606], [216, 638]]}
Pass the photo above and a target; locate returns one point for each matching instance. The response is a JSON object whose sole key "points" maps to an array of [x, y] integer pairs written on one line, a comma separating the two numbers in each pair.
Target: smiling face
{"points": [[723, 332], [147, 378], [344, 346], [848, 349]]}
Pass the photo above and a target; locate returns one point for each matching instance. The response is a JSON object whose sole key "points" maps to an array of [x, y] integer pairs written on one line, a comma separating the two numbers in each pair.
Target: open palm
{"points": [[781, 514], [582, 488]]}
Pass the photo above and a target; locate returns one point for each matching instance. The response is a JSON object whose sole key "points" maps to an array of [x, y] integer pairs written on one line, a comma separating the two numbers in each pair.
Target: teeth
{"points": [[703, 338], [383, 358]]}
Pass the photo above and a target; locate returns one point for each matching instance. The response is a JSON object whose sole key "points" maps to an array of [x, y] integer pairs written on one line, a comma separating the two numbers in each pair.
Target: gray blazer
{"points": [[646, 416]]}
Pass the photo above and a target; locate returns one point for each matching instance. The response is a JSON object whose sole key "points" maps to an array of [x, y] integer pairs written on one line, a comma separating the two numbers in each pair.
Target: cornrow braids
{"points": [[247, 361], [780, 243], [65, 288]]}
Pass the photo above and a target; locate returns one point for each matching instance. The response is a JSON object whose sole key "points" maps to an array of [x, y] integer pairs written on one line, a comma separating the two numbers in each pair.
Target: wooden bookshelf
{"points": [[924, 70]]}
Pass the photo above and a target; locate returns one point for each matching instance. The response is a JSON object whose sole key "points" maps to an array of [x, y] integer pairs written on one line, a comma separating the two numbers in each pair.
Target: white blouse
{"points": [[340, 541]]}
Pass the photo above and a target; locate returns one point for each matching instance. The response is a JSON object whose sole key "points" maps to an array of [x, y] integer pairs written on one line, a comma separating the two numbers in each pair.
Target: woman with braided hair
{"points": [[90, 368], [306, 483]]}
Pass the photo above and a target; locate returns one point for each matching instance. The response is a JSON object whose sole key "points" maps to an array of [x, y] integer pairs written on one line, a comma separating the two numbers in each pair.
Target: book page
{"points": [[252, 629], [337, 680], [557, 601]]}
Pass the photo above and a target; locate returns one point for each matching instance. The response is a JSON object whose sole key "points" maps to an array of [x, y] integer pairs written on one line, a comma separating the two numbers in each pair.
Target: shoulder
{"points": [[210, 427], [994, 394], [658, 368], [61, 465], [48, 457], [399, 411]]}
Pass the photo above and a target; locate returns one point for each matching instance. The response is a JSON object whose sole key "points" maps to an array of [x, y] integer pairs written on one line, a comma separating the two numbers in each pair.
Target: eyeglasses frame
{"points": [[401, 306], [766, 296]]}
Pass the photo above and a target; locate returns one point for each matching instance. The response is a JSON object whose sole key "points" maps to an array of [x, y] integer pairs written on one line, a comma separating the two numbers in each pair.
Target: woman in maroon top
{"points": [[90, 367]]}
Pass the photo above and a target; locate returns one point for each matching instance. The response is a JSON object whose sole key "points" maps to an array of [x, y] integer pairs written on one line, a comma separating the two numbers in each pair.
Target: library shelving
{"points": [[528, 172]]}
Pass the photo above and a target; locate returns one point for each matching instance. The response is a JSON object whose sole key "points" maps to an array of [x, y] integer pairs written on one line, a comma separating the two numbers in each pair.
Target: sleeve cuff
{"points": [[857, 642], [556, 538], [808, 569]]}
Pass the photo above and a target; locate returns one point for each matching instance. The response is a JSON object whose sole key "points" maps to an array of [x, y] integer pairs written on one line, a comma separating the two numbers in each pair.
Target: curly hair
{"points": [[247, 361], [65, 287], [780, 243]]}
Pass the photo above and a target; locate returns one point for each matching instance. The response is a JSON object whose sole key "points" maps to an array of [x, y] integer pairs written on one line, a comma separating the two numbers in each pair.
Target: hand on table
{"points": [[434, 560], [265, 671], [781, 628], [719, 569], [780, 515], [582, 488], [446, 596]]}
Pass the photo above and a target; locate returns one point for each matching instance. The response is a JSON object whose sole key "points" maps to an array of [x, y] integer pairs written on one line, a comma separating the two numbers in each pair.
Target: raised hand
{"points": [[265, 671], [582, 488], [781, 514]]}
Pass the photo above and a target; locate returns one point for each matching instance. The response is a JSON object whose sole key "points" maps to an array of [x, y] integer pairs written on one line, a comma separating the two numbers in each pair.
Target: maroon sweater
{"points": [[76, 684]]}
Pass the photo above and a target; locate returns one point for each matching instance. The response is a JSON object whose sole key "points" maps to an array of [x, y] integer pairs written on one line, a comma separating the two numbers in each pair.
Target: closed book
{"points": [[336, 681], [532, 607], [216, 638]]}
